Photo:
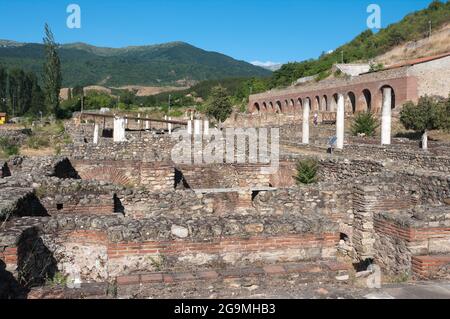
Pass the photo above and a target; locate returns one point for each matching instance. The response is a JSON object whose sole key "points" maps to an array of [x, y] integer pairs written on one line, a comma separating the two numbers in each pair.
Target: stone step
{"points": [[321, 268]]}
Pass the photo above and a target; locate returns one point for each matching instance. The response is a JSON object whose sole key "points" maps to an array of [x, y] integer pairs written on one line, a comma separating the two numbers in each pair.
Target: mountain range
{"points": [[174, 63]]}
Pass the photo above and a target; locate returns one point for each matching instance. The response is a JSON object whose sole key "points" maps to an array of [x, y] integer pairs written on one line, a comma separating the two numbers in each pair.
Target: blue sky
{"points": [[250, 30]]}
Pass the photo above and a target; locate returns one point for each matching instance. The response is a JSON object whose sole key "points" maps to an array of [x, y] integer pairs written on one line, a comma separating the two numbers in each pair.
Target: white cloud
{"points": [[273, 66], [265, 64]]}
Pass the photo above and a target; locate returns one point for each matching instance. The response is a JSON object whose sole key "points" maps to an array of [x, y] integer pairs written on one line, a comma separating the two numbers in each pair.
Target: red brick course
{"points": [[119, 250], [409, 233], [426, 267], [9, 255]]}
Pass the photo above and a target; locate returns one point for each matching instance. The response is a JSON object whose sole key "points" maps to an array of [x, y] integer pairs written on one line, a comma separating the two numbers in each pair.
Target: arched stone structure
{"points": [[392, 95], [333, 103], [291, 106], [350, 103], [317, 103], [278, 107], [361, 93], [264, 107], [365, 101], [324, 103], [256, 108]]}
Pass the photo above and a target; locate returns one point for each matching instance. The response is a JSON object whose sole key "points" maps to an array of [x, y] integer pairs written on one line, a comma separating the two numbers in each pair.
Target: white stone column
{"points": [[197, 127], [305, 131], [139, 119], [170, 126], [340, 118], [119, 130], [147, 123], [189, 127], [96, 134], [386, 117], [206, 128]]}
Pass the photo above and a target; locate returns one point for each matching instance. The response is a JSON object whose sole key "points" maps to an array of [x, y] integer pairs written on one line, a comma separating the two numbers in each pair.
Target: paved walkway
{"points": [[419, 290]]}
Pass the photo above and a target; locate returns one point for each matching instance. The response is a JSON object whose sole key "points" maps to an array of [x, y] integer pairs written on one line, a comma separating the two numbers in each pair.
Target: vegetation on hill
{"points": [[147, 65], [368, 44], [20, 93], [219, 105]]}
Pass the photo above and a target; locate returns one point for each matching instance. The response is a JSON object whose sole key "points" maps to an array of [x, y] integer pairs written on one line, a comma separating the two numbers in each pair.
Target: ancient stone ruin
{"points": [[115, 216]]}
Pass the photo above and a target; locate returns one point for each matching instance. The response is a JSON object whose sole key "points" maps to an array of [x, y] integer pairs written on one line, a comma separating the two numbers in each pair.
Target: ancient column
{"points": [[119, 130], [170, 126], [189, 127], [340, 115], [305, 131], [197, 127], [206, 127], [386, 117], [95, 134], [147, 123]]}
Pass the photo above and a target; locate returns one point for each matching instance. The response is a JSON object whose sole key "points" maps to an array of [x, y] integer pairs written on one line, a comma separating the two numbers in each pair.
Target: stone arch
{"points": [[317, 103], [285, 109], [256, 107], [392, 96], [279, 107], [264, 107], [291, 105], [105, 174], [271, 110], [333, 103], [350, 103], [365, 101], [307, 99], [324, 104]]}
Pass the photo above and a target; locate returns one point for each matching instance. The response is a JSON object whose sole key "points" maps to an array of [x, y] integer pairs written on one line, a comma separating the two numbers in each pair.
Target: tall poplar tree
{"points": [[3, 89], [52, 73]]}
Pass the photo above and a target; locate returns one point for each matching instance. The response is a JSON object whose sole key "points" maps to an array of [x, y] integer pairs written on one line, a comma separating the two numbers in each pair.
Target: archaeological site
{"points": [[170, 172]]}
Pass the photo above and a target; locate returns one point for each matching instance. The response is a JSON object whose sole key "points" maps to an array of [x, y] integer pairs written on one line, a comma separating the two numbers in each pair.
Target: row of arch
{"points": [[361, 102]]}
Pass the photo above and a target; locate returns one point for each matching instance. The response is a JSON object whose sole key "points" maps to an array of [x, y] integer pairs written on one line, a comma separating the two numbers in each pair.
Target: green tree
{"points": [[219, 104], [427, 114], [307, 171], [52, 73], [364, 123], [445, 121], [3, 83]]}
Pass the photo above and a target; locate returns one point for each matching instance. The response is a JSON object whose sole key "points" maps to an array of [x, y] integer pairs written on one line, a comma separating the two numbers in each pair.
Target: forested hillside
{"points": [[167, 64]]}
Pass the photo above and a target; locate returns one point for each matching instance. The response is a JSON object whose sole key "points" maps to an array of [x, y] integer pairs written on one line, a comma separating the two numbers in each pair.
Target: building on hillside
{"points": [[3, 118], [363, 93], [351, 69]]}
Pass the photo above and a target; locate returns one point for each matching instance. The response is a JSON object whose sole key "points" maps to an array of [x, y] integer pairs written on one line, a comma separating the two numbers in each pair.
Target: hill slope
{"points": [[175, 63], [368, 45]]}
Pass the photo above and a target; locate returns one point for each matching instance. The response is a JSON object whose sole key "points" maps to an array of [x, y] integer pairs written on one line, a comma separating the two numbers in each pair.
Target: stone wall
{"points": [[422, 231], [391, 192], [432, 77], [402, 155], [154, 176], [101, 247]]}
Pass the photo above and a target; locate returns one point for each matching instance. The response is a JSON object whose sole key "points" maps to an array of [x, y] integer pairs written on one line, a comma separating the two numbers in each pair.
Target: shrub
{"points": [[8, 147], [307, 171], [364, 123], [37, 142]]}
